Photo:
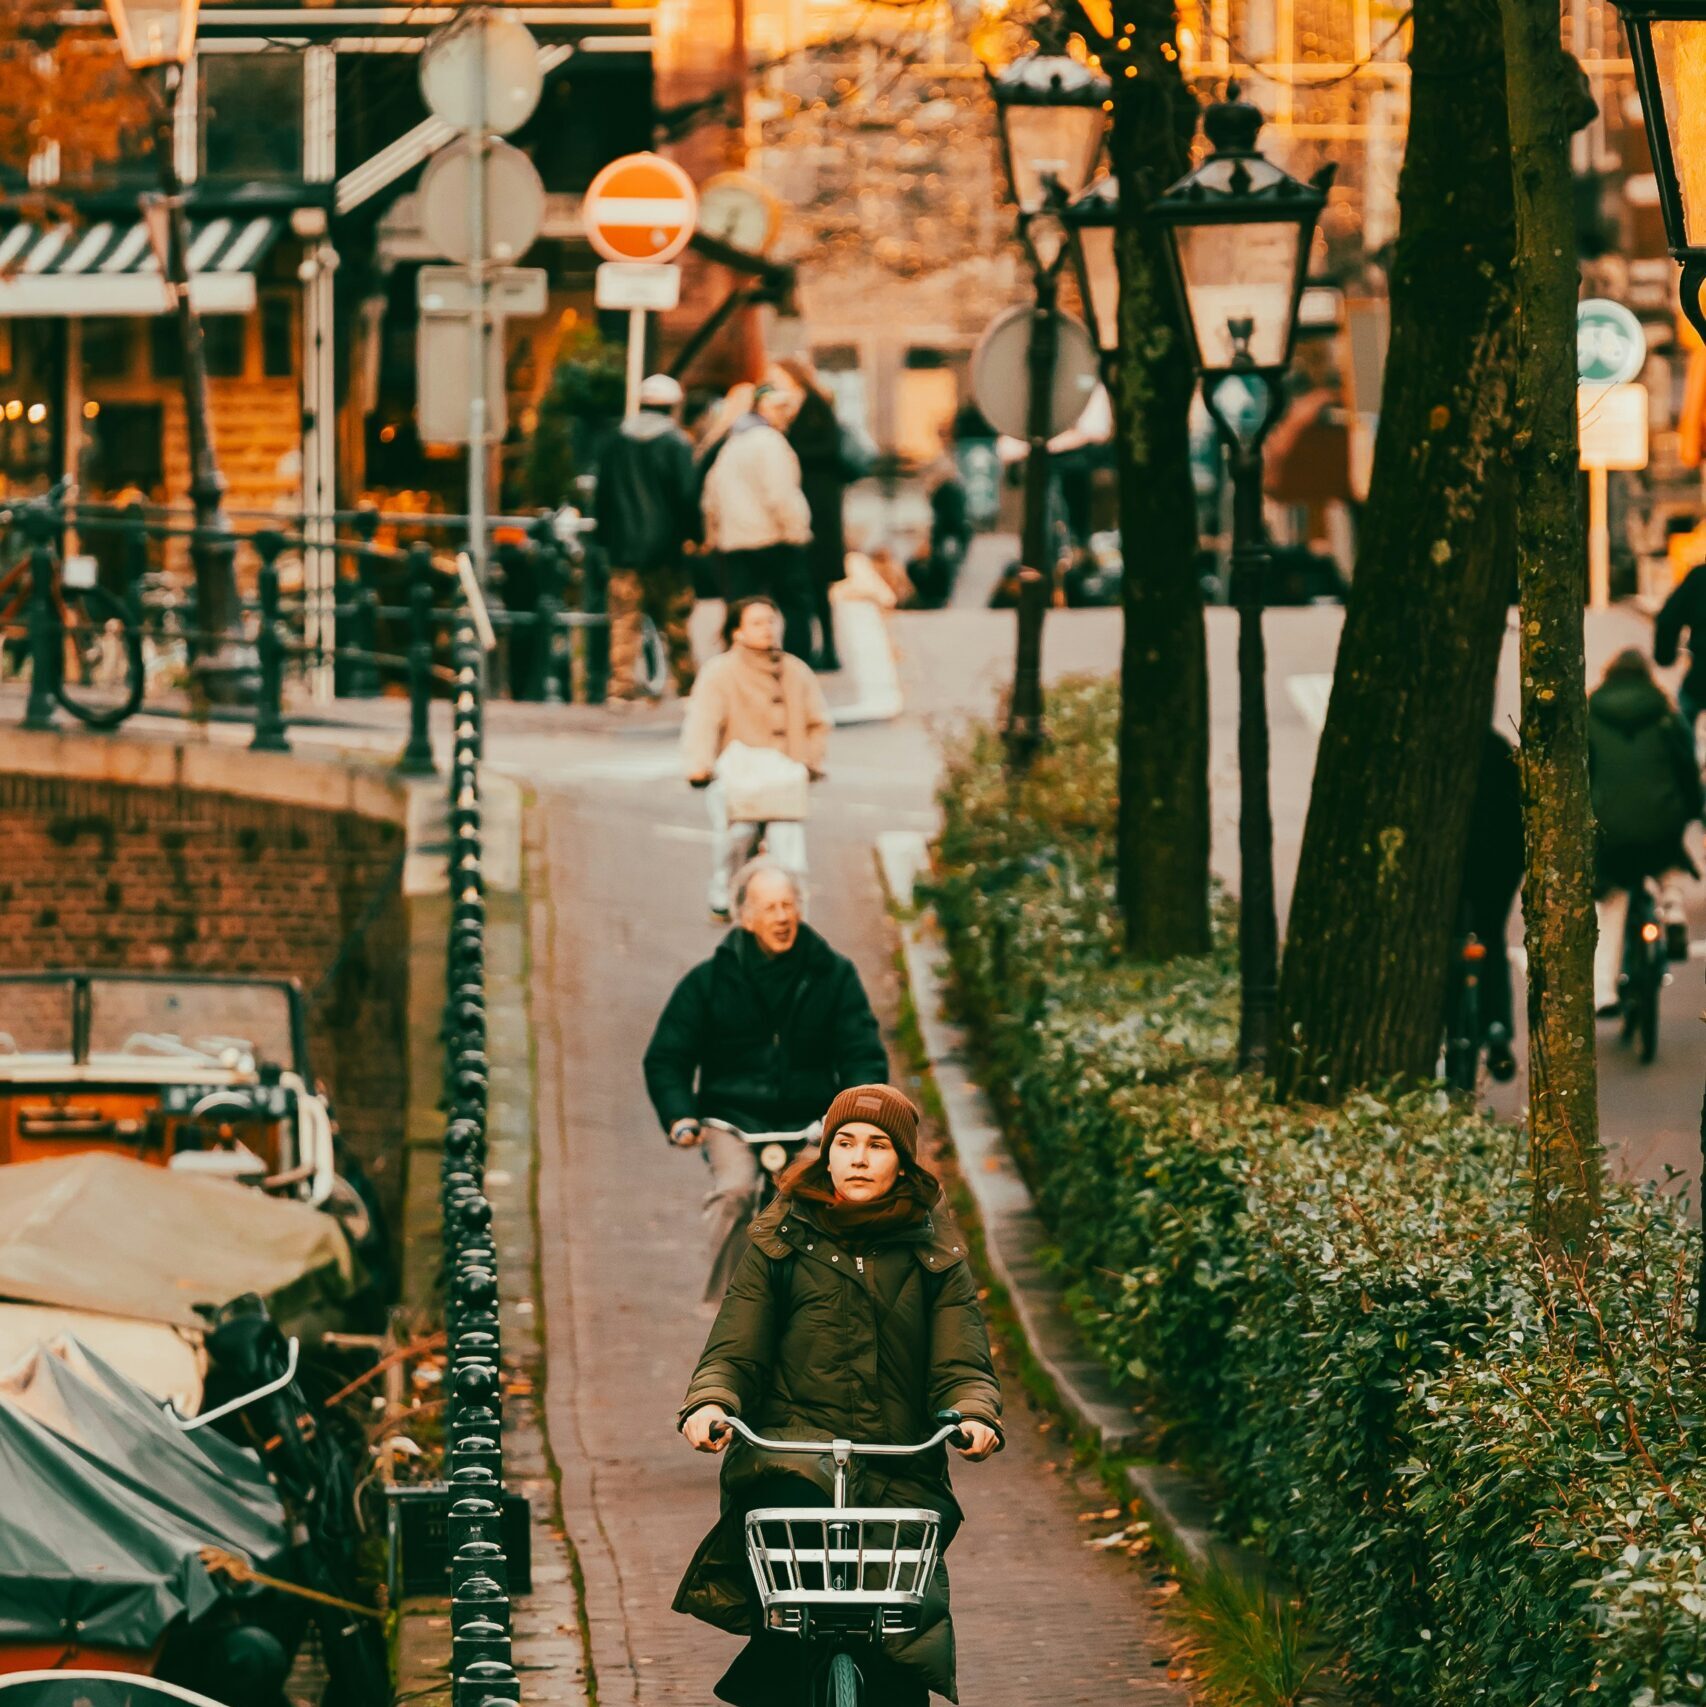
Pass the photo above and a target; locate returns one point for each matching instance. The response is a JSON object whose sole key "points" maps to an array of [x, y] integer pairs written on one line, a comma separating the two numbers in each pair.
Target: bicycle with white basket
{"points": [[843, 1577]]}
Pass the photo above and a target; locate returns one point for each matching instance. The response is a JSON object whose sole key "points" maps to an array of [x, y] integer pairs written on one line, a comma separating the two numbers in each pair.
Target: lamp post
{"points": [[1052, 112], [1239, 231], [1668, 45], [159, 35], [1092, 220]]}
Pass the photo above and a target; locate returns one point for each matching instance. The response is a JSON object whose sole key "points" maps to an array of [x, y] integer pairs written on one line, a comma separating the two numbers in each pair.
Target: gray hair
{"points": [[761, 867]]}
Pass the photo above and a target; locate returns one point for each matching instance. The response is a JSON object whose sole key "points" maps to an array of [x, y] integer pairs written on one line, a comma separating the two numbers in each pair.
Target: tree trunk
{"points": [[1373, 914], [1543, 93], [1163, 741]]}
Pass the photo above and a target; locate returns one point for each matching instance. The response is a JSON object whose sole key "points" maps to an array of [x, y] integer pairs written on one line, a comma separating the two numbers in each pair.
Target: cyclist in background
{"points": [[1646, 792], [853, 1315], [1492, 876], [761, 1035]]}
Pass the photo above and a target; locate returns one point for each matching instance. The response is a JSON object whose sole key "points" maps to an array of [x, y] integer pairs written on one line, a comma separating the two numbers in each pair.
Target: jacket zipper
{"points": [[861, 1262]]}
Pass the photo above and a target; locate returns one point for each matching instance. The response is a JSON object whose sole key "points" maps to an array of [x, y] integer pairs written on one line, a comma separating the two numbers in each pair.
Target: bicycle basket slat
{"points": [[853, 1567]]}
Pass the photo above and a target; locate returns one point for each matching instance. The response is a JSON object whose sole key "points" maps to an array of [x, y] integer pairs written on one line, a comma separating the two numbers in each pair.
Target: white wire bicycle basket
{"points": [[853, 1569]]}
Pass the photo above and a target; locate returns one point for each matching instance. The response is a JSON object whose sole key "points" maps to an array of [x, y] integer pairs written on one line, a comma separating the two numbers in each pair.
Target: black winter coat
{"points": [[1685, 609], [648, 495], [819, 443], [769, 1043], [1645, 783]]}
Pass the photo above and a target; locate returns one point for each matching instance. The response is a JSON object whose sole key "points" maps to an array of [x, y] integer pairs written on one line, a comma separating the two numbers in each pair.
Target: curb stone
{"points": [[1014, 1234]]}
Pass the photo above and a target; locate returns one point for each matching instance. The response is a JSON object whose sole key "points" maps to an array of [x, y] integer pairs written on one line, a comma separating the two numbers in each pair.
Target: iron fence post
{"points": [[595, 602], [270, 734], [417, 755], [362, 680]]}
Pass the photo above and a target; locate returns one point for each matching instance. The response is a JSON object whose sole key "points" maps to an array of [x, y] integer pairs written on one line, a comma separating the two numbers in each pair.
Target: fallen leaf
{"points": [[1114, 1540]]}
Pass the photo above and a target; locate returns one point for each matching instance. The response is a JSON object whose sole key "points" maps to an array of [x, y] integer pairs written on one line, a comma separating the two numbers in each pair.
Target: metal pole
{"points": [[1258, 930], [216, 586], [1024, 732], [1599, 540], [479, 330], [636, 360]]}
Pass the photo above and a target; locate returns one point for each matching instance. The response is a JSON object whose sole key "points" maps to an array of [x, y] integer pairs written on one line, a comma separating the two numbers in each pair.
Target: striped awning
{"points": [[111, 268]]}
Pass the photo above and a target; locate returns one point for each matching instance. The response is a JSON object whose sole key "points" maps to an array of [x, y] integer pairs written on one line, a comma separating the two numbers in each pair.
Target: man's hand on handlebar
{"points": [[980, 1440], [684, 1134], [707, 1429]]}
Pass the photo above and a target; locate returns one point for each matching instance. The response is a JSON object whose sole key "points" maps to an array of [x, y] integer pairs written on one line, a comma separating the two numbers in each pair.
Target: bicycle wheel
{"points": [[842, 1683], [102, 676]]}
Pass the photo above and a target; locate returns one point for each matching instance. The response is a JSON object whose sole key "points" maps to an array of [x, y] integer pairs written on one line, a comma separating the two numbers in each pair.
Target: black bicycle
{"points": [[843, 1577], [1646, 971], [1468, 1034]]}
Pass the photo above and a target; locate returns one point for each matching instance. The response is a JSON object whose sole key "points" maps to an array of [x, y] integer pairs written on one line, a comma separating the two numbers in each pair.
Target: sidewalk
{"points": [[616, 916]]}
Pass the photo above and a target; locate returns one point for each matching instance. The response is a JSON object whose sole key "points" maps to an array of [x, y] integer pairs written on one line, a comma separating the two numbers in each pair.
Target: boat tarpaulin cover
{"points": [[97, 1231], [105, 1506]]}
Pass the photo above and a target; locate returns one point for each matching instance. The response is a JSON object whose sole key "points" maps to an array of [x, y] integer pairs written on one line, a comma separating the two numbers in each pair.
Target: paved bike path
{"points": [[617, 878]]}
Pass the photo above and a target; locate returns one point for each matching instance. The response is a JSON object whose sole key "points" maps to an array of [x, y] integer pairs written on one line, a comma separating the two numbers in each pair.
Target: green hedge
{"points": [[1487, 1472]]}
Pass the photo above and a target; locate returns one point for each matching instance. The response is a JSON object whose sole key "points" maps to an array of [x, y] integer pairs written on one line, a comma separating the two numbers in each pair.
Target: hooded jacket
{"points": [[769, 1042], [753, 497], [648, 494], [818, 1339], [1646, 784]]}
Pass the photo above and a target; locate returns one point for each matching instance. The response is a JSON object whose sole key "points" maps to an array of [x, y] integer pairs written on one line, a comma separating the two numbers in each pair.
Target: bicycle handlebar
{"points": [[949, 1431], [805, 1135]]}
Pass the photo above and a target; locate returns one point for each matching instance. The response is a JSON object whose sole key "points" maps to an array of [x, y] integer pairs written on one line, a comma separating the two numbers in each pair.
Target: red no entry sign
{"points": [[640, 208]]}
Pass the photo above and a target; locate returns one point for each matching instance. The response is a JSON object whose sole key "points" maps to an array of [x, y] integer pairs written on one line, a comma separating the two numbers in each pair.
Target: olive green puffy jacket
{"points": [[817, 1340]]}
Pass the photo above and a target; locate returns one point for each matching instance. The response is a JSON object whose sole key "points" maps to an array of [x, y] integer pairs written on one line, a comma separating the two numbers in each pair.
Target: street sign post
{"points": [[482, 76], [1612, 422], [639, 209], [1611, 348], [1000, 373]]}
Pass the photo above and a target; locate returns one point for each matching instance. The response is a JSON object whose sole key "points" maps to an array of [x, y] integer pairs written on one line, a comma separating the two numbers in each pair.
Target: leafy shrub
{"points": [[1487, 1469]]}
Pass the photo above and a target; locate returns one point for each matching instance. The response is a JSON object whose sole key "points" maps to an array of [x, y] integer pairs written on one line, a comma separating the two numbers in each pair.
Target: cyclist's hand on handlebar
{"points": [[707, 1430], [684, 1134], [979, 1440]]}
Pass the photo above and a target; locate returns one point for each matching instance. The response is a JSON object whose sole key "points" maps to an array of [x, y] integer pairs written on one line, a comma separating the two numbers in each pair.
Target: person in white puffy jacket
{"points": [[757, 519]]}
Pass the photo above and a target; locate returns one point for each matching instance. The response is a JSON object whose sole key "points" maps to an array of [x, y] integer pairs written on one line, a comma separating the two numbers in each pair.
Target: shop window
{"points": [[124, 442], [222, 338], [278, 335], [251, 115], [106, 349]]}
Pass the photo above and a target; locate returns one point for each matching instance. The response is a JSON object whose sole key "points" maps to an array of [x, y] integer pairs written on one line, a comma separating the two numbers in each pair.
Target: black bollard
{"points": [[417, 755], [269, 734]]}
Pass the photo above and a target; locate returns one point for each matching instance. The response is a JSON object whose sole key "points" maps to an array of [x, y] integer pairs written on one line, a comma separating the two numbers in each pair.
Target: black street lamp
{"points": [[1239, 232], [159, 35], [1092, 221], [1053, 110], [1668, 44]]}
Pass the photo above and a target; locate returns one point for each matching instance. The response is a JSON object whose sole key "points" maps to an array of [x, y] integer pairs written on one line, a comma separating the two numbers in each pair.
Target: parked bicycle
{"points": [[842, 1578]]}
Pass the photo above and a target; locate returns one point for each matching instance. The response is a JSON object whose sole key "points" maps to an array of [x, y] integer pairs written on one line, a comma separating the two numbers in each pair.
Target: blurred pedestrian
{"points": [[1685, 612], [648, 512], [755, 735], [1646, 791], [756, 514], [830, 461]]}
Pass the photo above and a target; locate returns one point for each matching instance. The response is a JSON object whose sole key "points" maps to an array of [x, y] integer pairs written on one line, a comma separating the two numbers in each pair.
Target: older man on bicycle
{"points": [[762, 1035]]}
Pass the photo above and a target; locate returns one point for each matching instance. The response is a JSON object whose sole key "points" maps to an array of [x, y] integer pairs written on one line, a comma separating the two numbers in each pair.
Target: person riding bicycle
{"points": [[1492, 878], [761, 1035], [852, 1315], [1646, 791]]}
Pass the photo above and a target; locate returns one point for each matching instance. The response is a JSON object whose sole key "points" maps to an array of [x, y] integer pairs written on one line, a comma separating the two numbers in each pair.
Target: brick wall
{"points": [[102, 876]]}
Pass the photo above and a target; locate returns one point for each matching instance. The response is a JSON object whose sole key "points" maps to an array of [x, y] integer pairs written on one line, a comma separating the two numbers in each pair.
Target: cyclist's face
{"points": [[863, 1162], [771, 912]]}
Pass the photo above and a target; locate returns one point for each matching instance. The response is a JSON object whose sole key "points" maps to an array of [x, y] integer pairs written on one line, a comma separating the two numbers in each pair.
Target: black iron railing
{"points": [[102, 631]]}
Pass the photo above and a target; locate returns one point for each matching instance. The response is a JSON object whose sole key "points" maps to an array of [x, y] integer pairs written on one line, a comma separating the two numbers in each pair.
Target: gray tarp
{"points": [[104, 1507], [104, 1232]]}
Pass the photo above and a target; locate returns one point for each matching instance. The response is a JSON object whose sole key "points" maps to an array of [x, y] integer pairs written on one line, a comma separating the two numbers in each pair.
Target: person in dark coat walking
{"points": [[1646, 791], [1685, 612], [762, 1035], [827, 468], [1492, 878], [648, 513], [852, 1315]]}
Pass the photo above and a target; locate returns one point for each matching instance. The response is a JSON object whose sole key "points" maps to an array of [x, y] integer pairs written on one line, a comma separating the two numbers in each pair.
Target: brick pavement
{"points": [[617, 883]]}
